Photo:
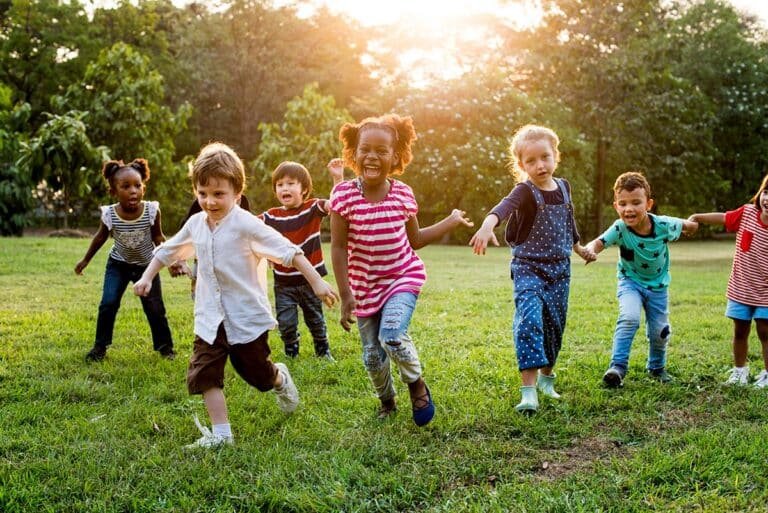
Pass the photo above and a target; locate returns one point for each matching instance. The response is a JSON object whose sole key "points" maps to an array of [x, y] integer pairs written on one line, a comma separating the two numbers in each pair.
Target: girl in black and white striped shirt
{"points": [[135, 226]]}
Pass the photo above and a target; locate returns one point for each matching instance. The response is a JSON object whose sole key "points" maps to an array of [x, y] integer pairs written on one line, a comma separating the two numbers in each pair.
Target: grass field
{"points": [[108, 437]]}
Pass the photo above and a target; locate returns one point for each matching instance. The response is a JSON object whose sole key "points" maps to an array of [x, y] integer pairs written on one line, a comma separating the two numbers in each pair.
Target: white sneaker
{"points": [[762, 379], [287, 396], [209, 440], [739, 376]]}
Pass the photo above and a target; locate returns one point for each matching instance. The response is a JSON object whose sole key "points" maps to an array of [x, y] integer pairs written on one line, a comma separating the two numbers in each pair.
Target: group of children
{"points": [[374, 235]]}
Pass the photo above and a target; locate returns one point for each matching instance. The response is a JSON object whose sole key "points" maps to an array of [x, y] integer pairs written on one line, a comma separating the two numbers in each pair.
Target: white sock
{"points": [[223, 430]]}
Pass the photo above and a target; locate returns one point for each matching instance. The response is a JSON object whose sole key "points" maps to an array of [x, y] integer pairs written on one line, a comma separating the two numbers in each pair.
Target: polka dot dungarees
{"points": [[541, 270]]}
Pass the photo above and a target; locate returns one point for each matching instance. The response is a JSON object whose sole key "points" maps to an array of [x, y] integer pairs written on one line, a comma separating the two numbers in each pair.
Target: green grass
{"points": [[108, 437]]}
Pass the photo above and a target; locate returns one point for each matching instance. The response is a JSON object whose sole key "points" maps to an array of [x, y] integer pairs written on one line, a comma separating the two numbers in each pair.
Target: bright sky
{"points": [[377, 12]]}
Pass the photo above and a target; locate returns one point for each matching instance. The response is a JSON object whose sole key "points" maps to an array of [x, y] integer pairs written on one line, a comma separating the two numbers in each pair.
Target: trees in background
{"points": [[673, 89], [308, 134]]}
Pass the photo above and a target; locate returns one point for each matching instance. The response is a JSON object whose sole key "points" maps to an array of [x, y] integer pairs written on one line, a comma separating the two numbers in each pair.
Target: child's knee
{"points": [[400, 348], [373, 360]]}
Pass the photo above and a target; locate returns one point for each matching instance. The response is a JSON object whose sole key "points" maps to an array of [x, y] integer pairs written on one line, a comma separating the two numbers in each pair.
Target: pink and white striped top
{"points": [[381, 261]]}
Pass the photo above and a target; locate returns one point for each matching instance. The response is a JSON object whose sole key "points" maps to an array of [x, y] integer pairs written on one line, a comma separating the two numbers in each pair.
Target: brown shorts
{"points": [[250, 360]]}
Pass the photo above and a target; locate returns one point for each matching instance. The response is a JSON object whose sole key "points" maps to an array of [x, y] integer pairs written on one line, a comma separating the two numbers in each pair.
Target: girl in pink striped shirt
{"points": [[747, 290], [374, 232]]}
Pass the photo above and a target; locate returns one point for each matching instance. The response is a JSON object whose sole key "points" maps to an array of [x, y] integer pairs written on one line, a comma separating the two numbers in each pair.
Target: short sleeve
{"points": [[340, 198], [733, 219], [106, 216], [152, 208], [408, 200], [610, 237], [674, 227]]}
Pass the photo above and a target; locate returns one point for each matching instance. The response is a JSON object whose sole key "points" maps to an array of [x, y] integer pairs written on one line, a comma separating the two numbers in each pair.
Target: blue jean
{"points": [[288, 299], [633, 299], [385, 337], [117, 276]]}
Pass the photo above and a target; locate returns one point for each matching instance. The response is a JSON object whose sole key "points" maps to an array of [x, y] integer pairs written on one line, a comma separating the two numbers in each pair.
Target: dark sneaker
{"points": [[167, 352], [613, 377], [292, 350], [96, 354], [660, 375]]}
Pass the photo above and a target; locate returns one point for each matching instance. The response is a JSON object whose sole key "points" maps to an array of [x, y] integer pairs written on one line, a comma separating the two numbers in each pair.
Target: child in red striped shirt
{"points": [[298, 219], [747, 291], [374, 232]]}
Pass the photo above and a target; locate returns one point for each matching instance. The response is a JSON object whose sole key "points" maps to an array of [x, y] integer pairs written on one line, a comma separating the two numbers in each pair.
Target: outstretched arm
{"points": [[479, 240], [144, 285], [690, 227], [96, 243], [319, 286], [708, 218], [585, 252], [594, 248], [420, 237], [336, 168]]}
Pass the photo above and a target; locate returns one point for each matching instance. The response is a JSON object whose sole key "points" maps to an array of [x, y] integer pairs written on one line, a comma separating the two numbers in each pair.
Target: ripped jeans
{"points": [[633, 298], [384, 336]]}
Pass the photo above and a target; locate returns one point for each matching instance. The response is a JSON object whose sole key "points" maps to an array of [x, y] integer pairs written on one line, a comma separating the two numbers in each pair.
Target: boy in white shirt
{"points": [[233, 315]]}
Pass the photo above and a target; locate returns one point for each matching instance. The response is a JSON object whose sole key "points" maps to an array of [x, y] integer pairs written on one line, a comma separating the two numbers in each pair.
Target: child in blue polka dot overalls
{"points": [[541, 230]]}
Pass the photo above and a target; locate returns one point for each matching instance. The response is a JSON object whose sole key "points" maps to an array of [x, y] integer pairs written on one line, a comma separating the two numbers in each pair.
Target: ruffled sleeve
{"points": [[106, 216], [152, 208]]}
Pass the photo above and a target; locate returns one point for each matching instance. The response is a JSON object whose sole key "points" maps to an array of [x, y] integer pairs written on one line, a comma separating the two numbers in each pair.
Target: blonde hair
{"points": [[219, 161], [527, 134]]}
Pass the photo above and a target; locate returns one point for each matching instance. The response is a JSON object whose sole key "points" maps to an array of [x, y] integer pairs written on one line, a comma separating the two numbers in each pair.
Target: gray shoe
{"points": [[287, 395], [614, 377]]}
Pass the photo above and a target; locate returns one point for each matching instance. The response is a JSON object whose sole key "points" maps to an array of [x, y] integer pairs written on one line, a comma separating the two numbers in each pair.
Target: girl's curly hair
{"points": [[403, 136], [112, 167]]}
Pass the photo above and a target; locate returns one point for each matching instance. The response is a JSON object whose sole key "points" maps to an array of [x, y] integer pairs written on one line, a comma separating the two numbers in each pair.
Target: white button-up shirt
{"points": [[231, 272]]}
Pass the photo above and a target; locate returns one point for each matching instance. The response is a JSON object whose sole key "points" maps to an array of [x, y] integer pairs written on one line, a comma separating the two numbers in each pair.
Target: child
{"points": [[135, 226], [643, 273], [182, 267], [541, 230], [747, 291], [374, 232], [232, 312], [298, 219]]}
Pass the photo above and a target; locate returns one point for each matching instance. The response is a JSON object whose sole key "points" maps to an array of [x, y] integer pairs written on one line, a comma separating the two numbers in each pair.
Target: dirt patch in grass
{"points": [[581, 456]]}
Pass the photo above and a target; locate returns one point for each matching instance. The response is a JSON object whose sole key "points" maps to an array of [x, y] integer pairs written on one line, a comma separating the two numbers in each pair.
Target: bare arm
{"points": [[717, 218], [420, 237], [585, 252], [690, 227], [596, 246], [319, 286], [144, 285], [480, 239], [339, 230], [96, 243], [157, 230]]}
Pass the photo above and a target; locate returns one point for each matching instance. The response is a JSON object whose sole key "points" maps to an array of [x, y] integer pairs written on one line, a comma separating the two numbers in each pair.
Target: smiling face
{"points": [[375, 155], [632, 207], [128, 188], [762, 201], [217, 198], [538, 160]]}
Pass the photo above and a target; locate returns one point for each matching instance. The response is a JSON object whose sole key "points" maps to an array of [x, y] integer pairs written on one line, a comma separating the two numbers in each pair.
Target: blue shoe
{"points": [[424, 414]]}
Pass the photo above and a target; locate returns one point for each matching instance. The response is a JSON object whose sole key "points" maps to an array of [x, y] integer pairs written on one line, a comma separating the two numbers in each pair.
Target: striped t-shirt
{"points": [[301, 226], [748, 283], [381, 261], [133, 239]]}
